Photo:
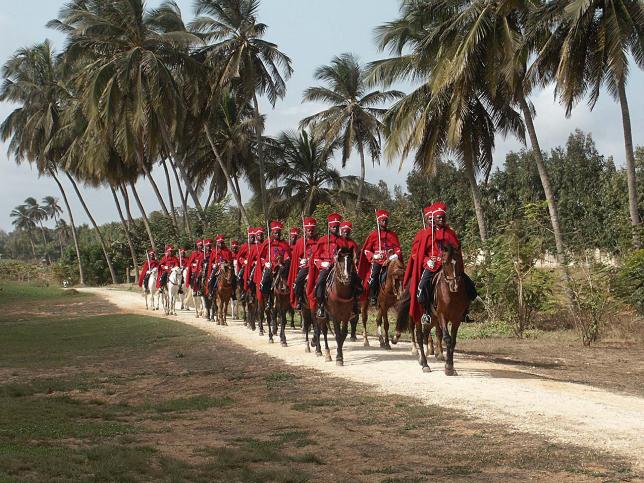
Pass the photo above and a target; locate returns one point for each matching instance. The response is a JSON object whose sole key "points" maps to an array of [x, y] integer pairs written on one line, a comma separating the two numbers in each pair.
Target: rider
{"points": [[293, 236], [279, 249], [381, 245], [182, 264], [321, 263], [220, 254], [149, 264], [166, 264], [242, 257], [428, 247], [301, 254], [253, 257], [345, 233], [193, 263]]}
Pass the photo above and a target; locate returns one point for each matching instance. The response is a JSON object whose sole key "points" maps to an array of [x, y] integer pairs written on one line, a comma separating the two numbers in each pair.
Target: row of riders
{"points": [[330, 280]]}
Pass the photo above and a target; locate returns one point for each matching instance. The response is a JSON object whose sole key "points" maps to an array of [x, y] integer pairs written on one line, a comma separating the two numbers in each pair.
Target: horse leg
{"points": [[225, 313], [327, 351], [439, 343], [317, 336], [386, 329], [268, 314], [339, 358], [414, 346], [146, 301], [430, 343], [381, 339], [306, 326], [282, 314], [447, 339], [419, 338], [354, 327], [449, 364], [365, 316]]}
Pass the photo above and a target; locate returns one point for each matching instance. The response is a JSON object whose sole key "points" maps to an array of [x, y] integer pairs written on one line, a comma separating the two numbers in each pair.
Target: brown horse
{"points": [[266, 306], [450, 303], [338, 303], [281, 299], [224, 291], [389, 294]]}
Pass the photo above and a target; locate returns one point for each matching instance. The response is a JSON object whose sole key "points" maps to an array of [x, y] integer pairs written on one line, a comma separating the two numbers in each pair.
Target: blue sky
{"points": [[311, 32]]}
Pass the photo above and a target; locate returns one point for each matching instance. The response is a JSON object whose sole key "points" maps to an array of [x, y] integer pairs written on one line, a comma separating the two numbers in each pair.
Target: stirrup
{"points": [[298, 306], [426, 321], [320, 313], [373, 300]]}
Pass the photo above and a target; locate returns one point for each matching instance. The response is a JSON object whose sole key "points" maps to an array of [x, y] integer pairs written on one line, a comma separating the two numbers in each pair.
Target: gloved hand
{"points": [[393, 257], [377, 256], [325, 264], [267, 264], [303, 262], [431, 264]]}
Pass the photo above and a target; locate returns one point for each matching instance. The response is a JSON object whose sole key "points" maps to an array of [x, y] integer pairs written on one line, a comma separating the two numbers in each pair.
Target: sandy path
{"points": [[564, 412]]}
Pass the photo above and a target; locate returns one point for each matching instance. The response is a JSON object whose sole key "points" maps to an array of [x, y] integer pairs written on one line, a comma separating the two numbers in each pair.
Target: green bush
{"points": [[629, 281]]}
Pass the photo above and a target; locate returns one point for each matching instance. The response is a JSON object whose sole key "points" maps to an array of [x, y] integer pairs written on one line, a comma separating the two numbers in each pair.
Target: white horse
{"points": [[185, 293], [151, 289], [175, 280]]}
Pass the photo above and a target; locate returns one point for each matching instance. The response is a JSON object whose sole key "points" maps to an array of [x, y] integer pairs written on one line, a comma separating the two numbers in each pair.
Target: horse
{"points": [[281, 300], [338, 303], [223, 291], [173, 285], [451, 303], [389, 293], [150, 288], [266, 303], [185, 292]]}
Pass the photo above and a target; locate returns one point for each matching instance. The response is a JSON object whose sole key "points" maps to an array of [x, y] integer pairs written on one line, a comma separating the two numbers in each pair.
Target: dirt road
{"points": [[563, 412]]}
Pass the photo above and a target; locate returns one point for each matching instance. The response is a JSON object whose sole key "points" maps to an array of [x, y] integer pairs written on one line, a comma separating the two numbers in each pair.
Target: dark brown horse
{"points": [[338, 303], [450, 304], [281, 299], [389, 294], [224, 291], [271, 277]]}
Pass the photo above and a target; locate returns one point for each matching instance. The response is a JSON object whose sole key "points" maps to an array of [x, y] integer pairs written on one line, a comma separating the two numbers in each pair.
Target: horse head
{"points": [[225, 273], [344, 265], [452, 267], [396, 274]]}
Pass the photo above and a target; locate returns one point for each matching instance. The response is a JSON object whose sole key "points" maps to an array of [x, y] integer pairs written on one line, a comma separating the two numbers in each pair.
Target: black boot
{"points": [[321, 313], [373, 299], [298, 305], [355, 308]]}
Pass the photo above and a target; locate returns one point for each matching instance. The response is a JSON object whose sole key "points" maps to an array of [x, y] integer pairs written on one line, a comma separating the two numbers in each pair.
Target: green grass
{"points": [[194, 403], [13, 292]]}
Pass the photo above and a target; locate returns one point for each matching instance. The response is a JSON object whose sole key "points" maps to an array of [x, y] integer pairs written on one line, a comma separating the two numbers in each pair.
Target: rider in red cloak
{"points": [[301, 253]]}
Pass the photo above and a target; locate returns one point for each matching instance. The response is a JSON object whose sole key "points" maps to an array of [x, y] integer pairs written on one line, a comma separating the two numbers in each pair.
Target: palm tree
{"points": [[302, 166], [589, 46], [38, 214], [33, 80], [24, 221], [53, 210], [486, 40], [242, 57], [125, 79], [353, 119]]}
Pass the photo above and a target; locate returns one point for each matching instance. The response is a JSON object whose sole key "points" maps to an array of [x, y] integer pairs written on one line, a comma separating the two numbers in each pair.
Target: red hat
{"points": [[234, 243], [295, 231], [207, 242], [152, 251], [440, 208], [259, 230], [277, 225], [380, 214], [169, 248], [334, 219], [182, 250], [346, 224], [219, 238], [250, 231], [199, 243], [428, 210], [310, 222]]}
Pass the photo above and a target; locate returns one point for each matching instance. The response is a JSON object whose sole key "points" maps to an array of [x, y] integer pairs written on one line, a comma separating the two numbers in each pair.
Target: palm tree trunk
{"points": [[144, 215], [182, 169], [33, 245], [476, 196], [362, 177], [224, 170], [44, 241], [155, 188], [81, 273], [260, 157], [126, 202], [211, 191], [184, 200], [170, 197], [96, 228], [630, 166], [125, 228], [545, 182]]}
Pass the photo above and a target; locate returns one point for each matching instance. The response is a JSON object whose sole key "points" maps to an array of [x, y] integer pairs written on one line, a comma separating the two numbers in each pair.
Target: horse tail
{"points": [[402, 312]]}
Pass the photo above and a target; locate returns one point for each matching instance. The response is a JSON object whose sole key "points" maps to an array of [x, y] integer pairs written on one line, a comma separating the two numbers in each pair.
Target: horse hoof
{"points": [[270, 341], [439, 357], [261, 332], [382, 345], [353, 339], [339, 362], [366, 343], [284, 344], [414, 352], [426, 369], [327, 358], [450, 372], [388, 347], [319, 354], [307, 348]]}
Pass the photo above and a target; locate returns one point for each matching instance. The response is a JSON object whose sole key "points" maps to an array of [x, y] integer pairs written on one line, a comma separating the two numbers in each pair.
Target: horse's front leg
{"points": [[419, 337], [225, 313], [379, 317], [447, 339], [317, 335], [327, 351], [386, 329], [282, 314], [449, 364], [339, 358], [146, 301], [439, 343], [365, 318]]}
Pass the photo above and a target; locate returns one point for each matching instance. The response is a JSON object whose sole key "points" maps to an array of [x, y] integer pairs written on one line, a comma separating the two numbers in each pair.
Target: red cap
{"points": [[207, 242], [310, 222], [151, 251], [380, 214], [234, 243], [219, 238], [250, 231], [259, 230], [334, 219], [428, 210], [440, 208], [199, 243], [295, 231], [169, 248], [346, 224], [277, 225]]}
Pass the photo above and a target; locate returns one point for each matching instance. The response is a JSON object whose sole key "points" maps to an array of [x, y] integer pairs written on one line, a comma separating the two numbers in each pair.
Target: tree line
{"points": [[137, 89]]}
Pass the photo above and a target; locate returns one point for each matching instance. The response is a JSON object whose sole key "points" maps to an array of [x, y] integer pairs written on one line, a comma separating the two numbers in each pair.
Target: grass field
{"points": [[92, 394]]}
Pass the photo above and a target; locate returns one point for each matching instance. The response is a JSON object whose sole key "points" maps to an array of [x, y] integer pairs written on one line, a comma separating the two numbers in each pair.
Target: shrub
{"points": [[629, 281]]}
